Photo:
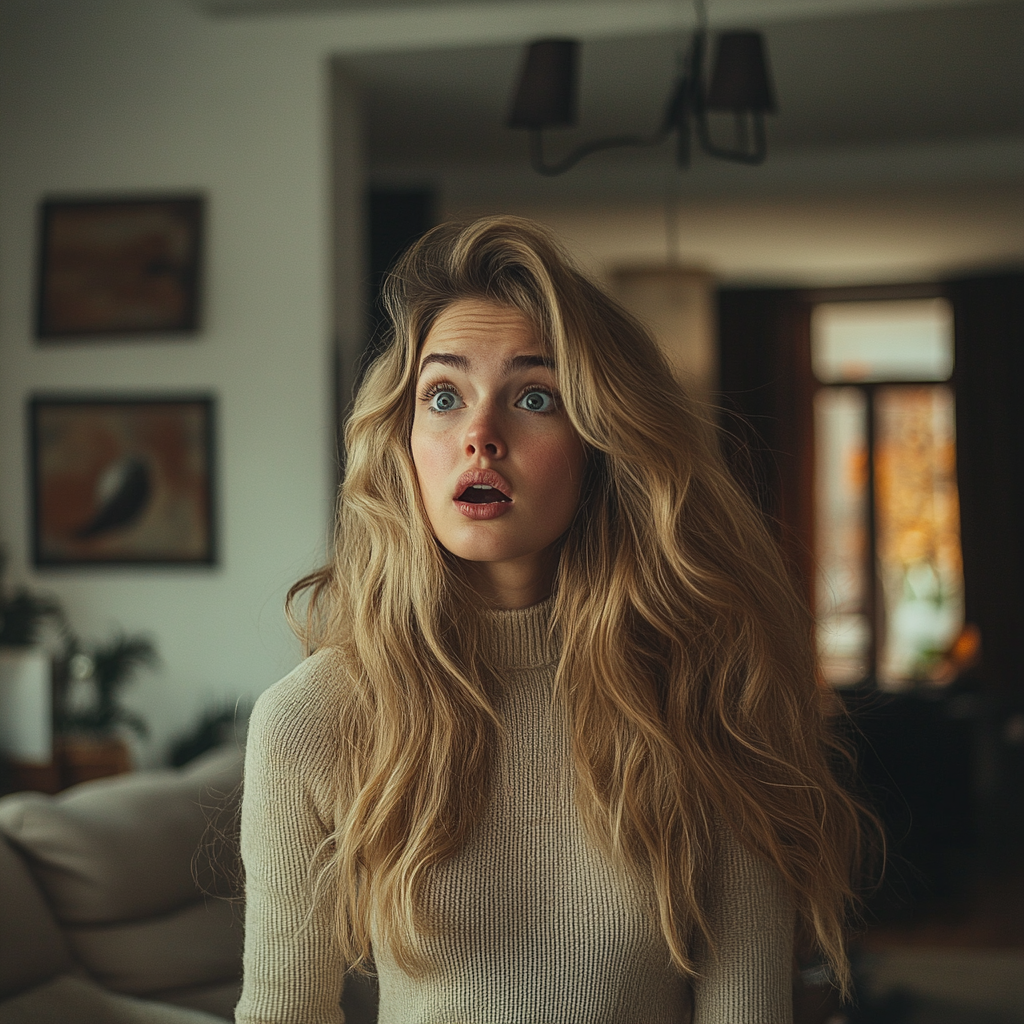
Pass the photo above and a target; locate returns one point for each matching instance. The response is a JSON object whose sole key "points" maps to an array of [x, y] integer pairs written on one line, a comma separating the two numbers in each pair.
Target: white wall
{"points": [[802, 241], [151, 96]]}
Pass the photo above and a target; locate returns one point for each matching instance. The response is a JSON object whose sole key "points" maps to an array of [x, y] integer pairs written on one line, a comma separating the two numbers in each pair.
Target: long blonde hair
{"points": [[687, 670]]}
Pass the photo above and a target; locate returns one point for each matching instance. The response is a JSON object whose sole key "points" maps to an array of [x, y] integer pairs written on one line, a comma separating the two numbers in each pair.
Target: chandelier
{"points": [[545, 97]]}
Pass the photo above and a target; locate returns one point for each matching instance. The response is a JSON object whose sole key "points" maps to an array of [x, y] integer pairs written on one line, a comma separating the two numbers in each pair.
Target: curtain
{"points": [[988, 316], [766, 402]]}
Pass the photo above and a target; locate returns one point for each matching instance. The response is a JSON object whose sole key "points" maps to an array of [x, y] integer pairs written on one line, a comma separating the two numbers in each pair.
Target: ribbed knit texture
{"points": [[533, 923]]}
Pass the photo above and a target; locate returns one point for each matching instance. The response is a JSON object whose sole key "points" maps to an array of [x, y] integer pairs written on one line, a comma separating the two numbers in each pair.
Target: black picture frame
{"points": [[119, 267], [119, 480]]}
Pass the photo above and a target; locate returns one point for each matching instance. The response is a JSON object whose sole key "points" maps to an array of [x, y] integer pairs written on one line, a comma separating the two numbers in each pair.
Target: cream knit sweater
{"points": [[534, 925]]}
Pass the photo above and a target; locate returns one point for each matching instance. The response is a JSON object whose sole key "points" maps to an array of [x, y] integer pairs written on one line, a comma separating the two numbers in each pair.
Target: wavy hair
{"points": [[687, 669]]}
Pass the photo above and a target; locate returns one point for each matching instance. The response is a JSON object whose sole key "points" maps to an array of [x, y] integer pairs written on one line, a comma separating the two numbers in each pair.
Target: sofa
{"points": [[116, 899], [120, 901]]}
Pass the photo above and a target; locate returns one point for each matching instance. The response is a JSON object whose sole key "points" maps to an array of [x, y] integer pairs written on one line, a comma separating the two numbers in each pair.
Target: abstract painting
{"points": [[118, 266]]}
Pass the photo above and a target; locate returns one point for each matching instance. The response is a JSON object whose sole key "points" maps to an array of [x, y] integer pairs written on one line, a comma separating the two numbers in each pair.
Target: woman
{"points": [[559, 754]]}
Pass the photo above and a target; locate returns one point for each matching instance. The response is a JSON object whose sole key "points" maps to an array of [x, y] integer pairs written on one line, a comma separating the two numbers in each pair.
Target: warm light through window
{"points": [[844, 633], [882, 341], [918, 517], [889, 589]]}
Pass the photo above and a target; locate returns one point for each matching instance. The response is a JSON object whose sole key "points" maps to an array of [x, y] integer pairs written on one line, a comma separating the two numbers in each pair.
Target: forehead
{"points": [[476, 326]]}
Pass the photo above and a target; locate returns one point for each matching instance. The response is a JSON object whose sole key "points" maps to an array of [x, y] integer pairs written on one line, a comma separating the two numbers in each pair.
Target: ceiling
{"points": [[867, 79], [630, 11], [914, 106], [436, 77]]}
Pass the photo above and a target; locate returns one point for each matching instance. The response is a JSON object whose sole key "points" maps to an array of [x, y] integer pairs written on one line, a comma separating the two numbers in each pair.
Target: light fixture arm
{"points": [[572, 159]]}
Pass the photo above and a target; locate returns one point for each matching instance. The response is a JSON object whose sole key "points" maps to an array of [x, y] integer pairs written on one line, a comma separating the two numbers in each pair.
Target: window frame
{"points": [[873, 603]]}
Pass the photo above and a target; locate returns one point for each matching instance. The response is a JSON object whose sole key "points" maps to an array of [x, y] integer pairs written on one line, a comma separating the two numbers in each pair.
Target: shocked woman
{"points": [[559, 754]]}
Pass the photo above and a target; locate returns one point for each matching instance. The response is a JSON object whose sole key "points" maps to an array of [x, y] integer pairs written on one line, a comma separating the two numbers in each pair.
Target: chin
{"points": [[483, 553], [482, 549]]}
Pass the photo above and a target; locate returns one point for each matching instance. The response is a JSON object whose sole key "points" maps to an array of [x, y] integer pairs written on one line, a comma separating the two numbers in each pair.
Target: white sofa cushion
{"points": [[32, 948], [124, 864], [125, 848], [68, 1000], [217, 999], [186, 947]]}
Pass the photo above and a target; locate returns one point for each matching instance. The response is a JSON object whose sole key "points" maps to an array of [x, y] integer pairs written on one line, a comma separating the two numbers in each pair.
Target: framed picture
{"points": [[119, 266], [122, 480]]}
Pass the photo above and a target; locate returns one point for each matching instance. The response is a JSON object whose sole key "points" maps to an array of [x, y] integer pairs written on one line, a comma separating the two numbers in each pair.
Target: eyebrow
{"points": [[527, 363], [513, 365], [445, 359]]}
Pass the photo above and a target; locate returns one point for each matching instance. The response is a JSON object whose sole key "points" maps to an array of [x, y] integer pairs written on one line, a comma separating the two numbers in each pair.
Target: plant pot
{"points": [[26, 706], [82, 758]]}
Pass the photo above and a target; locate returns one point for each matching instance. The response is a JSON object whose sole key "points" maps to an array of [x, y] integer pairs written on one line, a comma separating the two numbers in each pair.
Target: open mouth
{"points": [[482, 494]]}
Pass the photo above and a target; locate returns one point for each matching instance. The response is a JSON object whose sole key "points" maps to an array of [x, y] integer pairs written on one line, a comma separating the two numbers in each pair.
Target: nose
{"points": [[484, 435]]}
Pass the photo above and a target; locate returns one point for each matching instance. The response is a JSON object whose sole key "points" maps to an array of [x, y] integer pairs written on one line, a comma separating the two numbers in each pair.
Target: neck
{"points": [[517, 583]]}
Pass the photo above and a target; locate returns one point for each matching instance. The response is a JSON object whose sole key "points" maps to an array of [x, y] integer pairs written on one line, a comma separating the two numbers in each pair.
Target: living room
{"points": [[896, 159]]}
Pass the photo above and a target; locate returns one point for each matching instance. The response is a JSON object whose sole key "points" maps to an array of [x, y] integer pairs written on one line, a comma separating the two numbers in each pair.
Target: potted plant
{"points": [[91, 744], [23, 613], [221, 723]]}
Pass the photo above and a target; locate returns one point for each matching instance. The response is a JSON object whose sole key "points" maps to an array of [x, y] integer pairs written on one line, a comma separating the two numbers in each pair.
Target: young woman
{"points": [[560, 754]]}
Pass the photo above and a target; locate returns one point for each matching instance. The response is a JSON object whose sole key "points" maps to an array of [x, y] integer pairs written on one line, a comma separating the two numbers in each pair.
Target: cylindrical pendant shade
{"points": [[739, 81], [678, 304], [546, 95]]}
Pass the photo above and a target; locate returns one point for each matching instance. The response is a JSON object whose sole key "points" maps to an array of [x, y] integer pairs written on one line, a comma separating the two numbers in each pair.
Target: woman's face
{"points": [[498, 463]]}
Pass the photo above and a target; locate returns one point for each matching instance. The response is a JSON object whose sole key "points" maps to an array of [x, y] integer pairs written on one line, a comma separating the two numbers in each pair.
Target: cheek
{"points": [[557, 468], [430, 458]]}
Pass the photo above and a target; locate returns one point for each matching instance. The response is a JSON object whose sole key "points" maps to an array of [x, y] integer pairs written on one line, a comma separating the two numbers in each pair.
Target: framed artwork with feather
{"points": [[122, 480]]}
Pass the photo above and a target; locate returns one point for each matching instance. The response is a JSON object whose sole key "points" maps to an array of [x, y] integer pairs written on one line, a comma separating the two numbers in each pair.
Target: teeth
{"points": [[481, 487]]}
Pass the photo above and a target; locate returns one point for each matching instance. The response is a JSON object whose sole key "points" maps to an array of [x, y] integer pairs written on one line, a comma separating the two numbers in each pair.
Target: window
{"points": [[889, 588]]}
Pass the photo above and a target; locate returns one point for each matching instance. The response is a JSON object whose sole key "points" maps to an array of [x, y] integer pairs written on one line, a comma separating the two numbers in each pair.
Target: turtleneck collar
{"points": [[521, 638]]}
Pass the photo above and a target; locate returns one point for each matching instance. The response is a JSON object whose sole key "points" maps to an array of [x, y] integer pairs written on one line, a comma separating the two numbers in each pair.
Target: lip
{"points": [[483, 476], [490, 510]]}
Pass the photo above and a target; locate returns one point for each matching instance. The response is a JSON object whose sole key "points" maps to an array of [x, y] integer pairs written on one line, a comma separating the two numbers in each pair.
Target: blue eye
{"points": [[537, 401], [444, 401]]}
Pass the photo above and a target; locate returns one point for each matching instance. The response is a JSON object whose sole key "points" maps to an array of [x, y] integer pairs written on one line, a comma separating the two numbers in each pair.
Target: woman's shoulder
{"points": [[297, 717]]}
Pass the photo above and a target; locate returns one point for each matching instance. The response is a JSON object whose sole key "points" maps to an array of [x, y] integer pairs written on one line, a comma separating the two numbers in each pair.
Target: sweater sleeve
{"points": [[748, 980], [292, 968]]}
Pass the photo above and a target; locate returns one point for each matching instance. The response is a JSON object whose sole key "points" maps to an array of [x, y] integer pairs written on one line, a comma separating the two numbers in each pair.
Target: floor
{"points": [[954, 961]]}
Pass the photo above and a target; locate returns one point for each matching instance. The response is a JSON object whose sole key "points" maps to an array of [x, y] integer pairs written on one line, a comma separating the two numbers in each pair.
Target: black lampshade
{"points": [[546, 96], [740, 81]]}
